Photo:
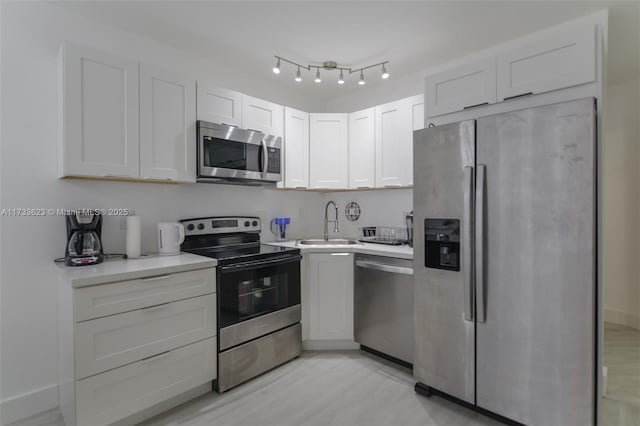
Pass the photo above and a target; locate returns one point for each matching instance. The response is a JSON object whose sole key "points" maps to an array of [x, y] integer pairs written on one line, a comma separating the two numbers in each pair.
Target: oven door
{"points": [[227, 152], [255, 298]]}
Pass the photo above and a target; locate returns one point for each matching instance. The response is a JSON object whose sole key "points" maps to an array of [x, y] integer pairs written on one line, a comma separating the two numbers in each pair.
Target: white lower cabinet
{"points": [[115, 394], [330, 281], [130, 345]]}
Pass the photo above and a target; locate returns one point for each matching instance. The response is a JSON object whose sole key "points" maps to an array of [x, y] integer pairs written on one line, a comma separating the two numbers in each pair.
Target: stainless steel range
{"points": [[258, 293]]}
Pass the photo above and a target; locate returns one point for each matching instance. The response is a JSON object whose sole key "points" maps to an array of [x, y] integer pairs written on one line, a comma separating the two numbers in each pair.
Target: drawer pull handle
{"points": [[340, 254], [518, 96], [159, 277], [155, 307], [476, 105], [155, 357]]}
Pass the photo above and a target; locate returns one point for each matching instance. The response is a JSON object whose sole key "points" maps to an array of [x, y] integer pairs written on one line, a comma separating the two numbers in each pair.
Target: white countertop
{"points": [[400, 252], [130, 269]]}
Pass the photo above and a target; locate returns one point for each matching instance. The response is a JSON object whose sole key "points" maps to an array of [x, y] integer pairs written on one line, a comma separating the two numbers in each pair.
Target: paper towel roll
{"points": [[134, 236]]}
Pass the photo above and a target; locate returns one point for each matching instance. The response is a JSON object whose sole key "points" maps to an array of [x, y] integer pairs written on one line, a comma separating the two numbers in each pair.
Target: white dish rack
{"points": [[389, 235]]}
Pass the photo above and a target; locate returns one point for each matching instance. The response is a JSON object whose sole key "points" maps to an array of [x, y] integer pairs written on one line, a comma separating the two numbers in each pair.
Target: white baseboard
{"points": [[329, 345], [29, 404], [622, 318]]}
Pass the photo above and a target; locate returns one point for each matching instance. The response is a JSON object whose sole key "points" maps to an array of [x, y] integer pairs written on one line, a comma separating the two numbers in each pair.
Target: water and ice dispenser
{"points": [[442, 244]]}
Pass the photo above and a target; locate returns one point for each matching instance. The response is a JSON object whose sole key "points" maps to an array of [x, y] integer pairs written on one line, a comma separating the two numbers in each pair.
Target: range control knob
{"points": [[191, 227], [254, 223], [201, 226], [247, 223]]}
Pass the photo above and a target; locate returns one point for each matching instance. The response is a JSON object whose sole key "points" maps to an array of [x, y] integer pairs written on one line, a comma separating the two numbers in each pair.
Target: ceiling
{"points": [[411, 35]]}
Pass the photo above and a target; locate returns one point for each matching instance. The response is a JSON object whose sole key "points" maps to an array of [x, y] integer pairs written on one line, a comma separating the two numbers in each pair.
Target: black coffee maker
{"points": [[83, 239]]}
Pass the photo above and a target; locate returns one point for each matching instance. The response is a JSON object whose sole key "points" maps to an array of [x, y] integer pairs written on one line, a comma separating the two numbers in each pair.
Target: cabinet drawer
{"points": [[116, 394], [113, 341], [123, 296]]}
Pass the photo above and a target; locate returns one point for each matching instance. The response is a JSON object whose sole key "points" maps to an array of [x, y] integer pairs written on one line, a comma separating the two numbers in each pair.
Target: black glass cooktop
{"points": [[240, 253]]}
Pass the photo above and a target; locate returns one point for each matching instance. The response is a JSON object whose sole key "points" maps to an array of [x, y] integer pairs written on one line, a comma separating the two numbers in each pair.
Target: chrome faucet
{"points": [[326, 220]]}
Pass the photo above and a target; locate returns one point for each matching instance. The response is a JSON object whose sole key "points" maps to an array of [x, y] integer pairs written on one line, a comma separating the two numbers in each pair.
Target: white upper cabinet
{"points": [[328, 151], [566, 59], [417, 111], [417, 116], [99, 114], [296, 148], [362, 149], [167, 126], [467, 86], [394, 143], [263, 116], [218, 105]]}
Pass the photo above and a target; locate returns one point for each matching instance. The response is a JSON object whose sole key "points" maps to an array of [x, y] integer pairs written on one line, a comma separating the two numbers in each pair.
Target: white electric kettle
{"points": [[170, 236]]}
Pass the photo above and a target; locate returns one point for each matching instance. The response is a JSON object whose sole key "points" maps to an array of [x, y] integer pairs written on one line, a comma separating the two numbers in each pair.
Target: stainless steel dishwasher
{"points": [[383, 316]]}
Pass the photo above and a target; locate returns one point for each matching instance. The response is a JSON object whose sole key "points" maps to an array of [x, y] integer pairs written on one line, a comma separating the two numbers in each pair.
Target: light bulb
{"points": [[317, 80], [298, 78], [276, 69], [385, 74], [361, 81], [341, 79]]}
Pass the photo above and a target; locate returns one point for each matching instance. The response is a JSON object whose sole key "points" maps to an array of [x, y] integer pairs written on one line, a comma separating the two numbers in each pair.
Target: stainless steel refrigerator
{"points": [[505, 263]]}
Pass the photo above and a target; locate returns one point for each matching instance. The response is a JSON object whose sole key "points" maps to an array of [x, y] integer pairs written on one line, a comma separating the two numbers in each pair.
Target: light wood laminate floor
{"points": [[349, 388], [320, 388], [621, 403]]}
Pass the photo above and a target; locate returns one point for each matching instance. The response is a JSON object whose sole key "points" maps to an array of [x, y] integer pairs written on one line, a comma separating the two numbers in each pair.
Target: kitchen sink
{"points": [[329, 242]]}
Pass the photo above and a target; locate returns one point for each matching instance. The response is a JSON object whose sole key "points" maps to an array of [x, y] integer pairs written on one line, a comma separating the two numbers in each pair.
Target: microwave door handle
{"points": [[265, 158]]}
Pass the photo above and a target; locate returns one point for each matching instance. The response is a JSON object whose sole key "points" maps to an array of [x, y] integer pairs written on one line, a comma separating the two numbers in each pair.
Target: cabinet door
{"points": [[462, 87], [331, 296], [296, 148], [263, 116], [100, 114], [218, 105], [567, 59], [328, 151], [417, 115], [394, 144], [167, 126], [362, 158]]}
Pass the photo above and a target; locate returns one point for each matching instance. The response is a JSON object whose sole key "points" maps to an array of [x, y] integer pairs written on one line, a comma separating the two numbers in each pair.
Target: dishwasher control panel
{"points": [[442, 244]]}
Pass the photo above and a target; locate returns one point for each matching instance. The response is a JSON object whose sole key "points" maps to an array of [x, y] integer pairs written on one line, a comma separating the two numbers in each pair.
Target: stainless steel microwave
{"points": [[233, 155]]}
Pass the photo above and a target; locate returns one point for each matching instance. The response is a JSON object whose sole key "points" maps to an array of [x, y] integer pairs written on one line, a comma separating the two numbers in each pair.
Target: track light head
{"points": [[317, 80], [361, 81], [298, 77], [385, 74], [341, 79], [276, 69]]}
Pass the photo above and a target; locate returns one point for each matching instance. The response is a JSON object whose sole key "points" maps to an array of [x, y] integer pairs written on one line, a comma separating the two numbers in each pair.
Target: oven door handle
{"points": [[259, 263]]}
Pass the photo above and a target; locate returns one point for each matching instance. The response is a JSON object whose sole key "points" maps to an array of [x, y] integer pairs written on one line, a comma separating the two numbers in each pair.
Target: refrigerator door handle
{"points": [[481, 311], [467, 266]]}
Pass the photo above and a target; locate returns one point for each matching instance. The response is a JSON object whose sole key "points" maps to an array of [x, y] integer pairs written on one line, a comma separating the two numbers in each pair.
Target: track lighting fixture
{"points": [[331, 66]]}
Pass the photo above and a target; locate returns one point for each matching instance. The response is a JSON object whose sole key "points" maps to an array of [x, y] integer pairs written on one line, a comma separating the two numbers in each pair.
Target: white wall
{"points": [[621, 201], [378, 208], [31, 36]]}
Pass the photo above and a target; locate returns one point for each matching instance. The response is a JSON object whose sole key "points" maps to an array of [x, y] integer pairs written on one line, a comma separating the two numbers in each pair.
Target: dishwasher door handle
{"points": [[384, 267]]}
